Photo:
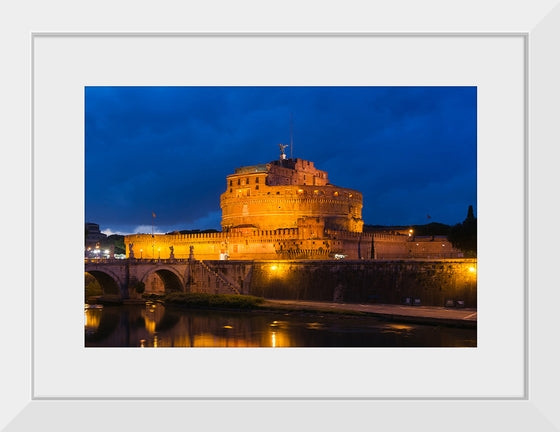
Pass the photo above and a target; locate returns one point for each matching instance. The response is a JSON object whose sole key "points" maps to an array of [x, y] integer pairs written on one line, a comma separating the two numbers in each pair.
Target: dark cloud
{"points": [[410, 150]]}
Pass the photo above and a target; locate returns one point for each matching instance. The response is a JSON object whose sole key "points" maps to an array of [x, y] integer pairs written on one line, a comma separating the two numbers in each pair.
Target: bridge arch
{"points": [[171, 278], [109, 282]]}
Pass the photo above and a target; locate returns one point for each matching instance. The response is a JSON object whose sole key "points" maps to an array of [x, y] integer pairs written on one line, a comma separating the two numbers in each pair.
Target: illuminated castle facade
{"points": [[286, 209], [288, 193]]}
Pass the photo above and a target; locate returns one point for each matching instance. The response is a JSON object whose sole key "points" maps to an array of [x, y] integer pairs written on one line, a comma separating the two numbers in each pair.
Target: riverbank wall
{"points": [[428, 282]]}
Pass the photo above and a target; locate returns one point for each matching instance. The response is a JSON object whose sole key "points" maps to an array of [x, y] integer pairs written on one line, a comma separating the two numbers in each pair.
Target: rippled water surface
{"points": [[155, 325]]}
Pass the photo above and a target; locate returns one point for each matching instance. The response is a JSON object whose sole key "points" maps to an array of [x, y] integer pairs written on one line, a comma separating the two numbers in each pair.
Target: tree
{"points": [[463, 235]]}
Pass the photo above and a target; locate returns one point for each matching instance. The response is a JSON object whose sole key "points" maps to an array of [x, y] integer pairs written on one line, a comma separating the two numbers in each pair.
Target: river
{"points": [[155, 325]]}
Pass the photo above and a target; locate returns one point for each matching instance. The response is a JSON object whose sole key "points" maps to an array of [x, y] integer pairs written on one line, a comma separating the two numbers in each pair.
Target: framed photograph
{"points": [[509, 376]]}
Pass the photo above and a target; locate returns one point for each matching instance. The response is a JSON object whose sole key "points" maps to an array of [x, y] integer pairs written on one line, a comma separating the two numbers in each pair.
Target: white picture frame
{"points": [[534, 410]]}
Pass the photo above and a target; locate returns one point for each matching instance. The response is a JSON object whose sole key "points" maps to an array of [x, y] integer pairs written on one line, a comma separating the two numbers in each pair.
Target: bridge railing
{"points": [[134, 261]]}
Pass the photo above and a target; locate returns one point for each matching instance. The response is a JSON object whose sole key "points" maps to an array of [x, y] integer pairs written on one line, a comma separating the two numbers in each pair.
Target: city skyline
{"points": [[411, 151]]}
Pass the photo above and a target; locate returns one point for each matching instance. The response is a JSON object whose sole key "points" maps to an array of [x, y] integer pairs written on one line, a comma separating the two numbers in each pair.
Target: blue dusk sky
{"points": [[411, 151]]}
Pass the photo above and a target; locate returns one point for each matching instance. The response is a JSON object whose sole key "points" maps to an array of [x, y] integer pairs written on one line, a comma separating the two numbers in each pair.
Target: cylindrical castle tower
{"points": [[285, 194]]}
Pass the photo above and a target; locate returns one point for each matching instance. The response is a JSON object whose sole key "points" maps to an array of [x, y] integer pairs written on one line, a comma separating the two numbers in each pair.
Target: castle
{"points": [[287, 209]]}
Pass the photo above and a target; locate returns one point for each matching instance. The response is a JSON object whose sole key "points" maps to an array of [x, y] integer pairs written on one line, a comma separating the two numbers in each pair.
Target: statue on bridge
{"points": [[130, 251], [171, 255]]}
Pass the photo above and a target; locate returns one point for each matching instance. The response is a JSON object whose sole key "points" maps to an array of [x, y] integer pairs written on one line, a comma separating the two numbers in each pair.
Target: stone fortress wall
{"points": [[269, 244]]}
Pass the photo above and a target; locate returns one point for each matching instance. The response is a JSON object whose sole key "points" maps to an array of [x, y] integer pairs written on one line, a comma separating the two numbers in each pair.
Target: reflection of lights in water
{"points": [[92, 318], [273, 340], [155, 341], [398, 329], [314, 325], [142, 342], [152, 314], [228, 327]]}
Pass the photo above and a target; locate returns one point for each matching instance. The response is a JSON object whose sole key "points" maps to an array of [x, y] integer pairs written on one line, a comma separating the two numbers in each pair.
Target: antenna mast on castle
{"points": [[292, 136]]}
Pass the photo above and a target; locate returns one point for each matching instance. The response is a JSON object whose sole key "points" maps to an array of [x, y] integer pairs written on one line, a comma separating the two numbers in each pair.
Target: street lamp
{"points": [[159, 253], [141, 250]]}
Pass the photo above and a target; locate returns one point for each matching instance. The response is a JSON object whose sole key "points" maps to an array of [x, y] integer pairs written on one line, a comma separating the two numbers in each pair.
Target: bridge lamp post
{"points": [[141, 250], [159, 253]]}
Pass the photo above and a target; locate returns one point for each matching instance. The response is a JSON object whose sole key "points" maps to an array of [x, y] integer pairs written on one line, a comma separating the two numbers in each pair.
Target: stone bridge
{"points": [[433, 281], [119, 277]]}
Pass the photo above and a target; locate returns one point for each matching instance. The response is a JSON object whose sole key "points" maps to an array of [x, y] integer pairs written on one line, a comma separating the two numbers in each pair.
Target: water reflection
{"points": [[155, 325]]}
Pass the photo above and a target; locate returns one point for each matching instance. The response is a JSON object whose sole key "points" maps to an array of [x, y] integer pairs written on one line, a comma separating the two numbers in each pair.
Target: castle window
{"points": [[257, 187], [238, 182], [231, 182], [247, 180], [256, 180], [336, 193], [231, 190], [350, 195], [316, 192], [277, 193]]}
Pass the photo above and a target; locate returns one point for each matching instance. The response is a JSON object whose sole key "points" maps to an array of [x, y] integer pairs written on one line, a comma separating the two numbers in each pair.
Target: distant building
{"points": [[93, 238], [93, 233]]}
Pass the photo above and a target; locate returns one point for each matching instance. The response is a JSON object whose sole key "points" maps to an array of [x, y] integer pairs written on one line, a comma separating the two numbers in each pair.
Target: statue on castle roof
{"points": [[282, 153]]}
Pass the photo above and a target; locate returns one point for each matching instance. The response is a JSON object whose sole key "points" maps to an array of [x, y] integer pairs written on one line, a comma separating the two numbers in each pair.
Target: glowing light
{"points": [[273, 340], [472, 269], [274, 267]]}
